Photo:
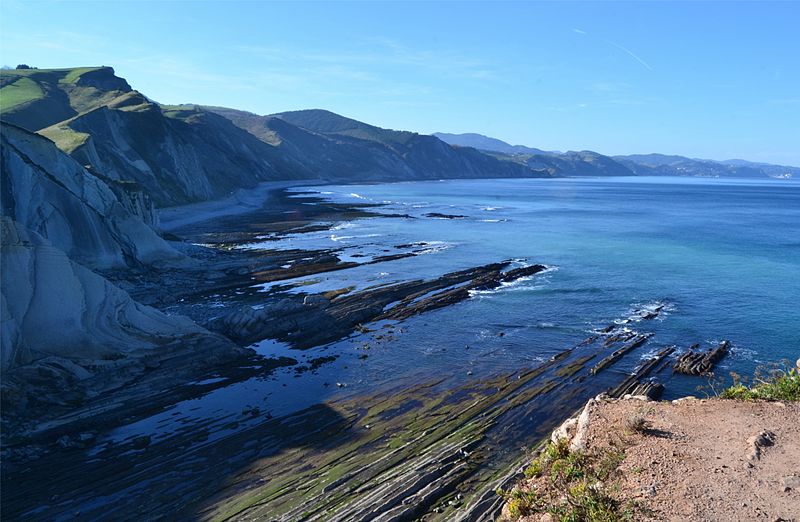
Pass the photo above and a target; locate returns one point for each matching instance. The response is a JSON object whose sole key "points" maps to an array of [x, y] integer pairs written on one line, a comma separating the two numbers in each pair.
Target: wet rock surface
{"points": [[311, 320], [698, 362]]}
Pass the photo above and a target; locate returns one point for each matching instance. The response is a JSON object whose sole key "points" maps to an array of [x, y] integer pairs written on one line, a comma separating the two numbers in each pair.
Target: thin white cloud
{"points": [[630, 53], [620, 47]]}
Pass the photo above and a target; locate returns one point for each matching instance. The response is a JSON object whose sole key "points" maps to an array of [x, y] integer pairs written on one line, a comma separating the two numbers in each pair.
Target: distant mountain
{"points": [[663, 165], [588, 163], [773, 171], [320, 144], [481, 142], [583, 163]]}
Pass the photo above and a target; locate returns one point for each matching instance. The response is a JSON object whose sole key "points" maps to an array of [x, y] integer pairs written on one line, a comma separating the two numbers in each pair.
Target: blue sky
{"points": [[711, 80]]}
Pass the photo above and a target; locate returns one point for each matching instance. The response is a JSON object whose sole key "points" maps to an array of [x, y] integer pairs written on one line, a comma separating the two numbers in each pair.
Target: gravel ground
{"points": [[706, 459]]}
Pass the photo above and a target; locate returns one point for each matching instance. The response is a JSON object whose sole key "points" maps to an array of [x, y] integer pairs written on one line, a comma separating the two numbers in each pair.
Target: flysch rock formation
{"points": [[68, 334], [48, 192]]}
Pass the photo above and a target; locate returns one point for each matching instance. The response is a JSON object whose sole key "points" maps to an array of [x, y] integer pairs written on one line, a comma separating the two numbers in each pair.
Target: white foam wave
{"points": [[639, 311], [516, 285], [650, 354], [433, 247], [342, 226], [359, 196]]}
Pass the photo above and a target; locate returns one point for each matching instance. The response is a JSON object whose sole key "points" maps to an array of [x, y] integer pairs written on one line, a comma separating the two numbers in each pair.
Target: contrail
{"points": [[618, 46]]}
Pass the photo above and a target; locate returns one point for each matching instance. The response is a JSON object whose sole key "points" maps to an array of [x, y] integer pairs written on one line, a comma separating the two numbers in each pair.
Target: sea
{"points": [[718, 259], [721, 255]]}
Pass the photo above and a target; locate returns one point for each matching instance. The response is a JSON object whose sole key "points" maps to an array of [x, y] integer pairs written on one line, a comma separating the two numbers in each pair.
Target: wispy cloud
{"points": [[82, 46], [630, 53], [568, 107], [620, 47]]}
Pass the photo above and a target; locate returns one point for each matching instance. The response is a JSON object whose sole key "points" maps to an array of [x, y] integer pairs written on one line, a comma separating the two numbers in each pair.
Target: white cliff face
{"points": [[47, 192], [67, 333], [52, 306]]}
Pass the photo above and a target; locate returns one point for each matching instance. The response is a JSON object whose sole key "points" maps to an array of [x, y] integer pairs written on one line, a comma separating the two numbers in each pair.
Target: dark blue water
{"points": [[724, 255]]}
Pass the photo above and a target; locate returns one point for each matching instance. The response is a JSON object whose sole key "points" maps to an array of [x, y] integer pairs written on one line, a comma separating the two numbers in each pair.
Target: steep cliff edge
{"points": [[53, 306], [48, 192], [70, 336], [687, 459], [177, 156], [37, 98]]}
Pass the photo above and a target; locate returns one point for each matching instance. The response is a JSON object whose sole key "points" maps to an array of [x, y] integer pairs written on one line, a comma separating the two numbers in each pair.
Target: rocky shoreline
{"points": [[408, 451], [420, 451]]}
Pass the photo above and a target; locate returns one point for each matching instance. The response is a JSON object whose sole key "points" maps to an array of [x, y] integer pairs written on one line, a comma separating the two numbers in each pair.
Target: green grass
{"points": [[778, 385], [21, 91], [74, 74], [570, 486], [186, 112], [64, 137]]}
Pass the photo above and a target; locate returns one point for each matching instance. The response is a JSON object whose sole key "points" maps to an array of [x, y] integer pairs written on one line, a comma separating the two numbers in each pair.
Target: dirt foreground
{"points": [[699, 459]]}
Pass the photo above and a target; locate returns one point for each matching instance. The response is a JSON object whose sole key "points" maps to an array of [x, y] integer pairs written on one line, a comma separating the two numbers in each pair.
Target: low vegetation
{"points": [[636, 423], [64, 137], [768, 384], [21, 91], [571, 486]]}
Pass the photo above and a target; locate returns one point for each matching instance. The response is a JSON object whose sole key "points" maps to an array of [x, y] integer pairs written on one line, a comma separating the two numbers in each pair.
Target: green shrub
{"points": [[569, 485], [779, 385]]}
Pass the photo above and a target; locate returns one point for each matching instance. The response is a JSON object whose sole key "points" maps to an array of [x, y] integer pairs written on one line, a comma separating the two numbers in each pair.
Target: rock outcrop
{"points": [[68, 334], [319, 319], [47, 192], [53, 306]]}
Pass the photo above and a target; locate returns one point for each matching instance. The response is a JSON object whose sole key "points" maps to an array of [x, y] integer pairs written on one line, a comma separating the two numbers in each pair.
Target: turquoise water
{"points": [[724, 256]]}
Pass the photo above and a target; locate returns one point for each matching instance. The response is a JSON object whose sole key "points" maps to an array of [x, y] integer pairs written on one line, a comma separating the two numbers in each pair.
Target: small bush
{"points": [[609, 463], [636, 423], [535, 469], [778, 385]]}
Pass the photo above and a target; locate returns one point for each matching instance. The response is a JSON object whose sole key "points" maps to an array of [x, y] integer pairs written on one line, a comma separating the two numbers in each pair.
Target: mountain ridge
{"points": [[653, 164]]}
